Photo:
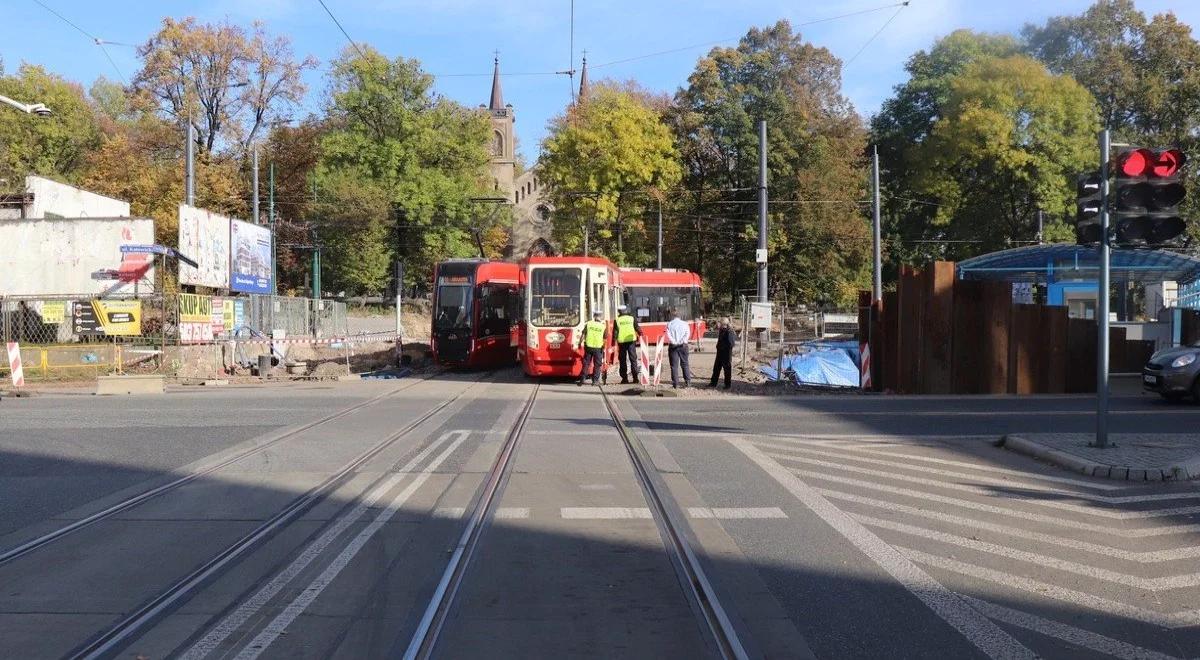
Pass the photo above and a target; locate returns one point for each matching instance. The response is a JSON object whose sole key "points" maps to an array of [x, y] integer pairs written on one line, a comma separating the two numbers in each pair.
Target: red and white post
{"points": [[14, 364]]}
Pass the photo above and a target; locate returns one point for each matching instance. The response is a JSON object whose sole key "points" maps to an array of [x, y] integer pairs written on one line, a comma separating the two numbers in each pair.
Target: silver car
{"points": [[1172, 372]]}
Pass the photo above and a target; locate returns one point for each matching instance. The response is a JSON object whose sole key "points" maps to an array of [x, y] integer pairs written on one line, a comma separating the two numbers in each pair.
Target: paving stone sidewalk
{"points": [[1134, 456]]}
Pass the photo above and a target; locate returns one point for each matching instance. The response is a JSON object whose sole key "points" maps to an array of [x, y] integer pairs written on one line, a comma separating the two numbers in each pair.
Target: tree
{"points": [[54, 146], [599, 159], [229, 83], [815, 169], [406, 161], [1010, 141]]}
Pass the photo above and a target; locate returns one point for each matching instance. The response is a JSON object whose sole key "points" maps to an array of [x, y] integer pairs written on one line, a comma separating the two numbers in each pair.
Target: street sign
{"points": [[145, 249]]}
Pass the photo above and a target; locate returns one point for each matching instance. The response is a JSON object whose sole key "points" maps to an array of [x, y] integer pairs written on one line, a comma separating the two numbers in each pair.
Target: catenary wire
{"points": [[93, 38], [344, 33]]}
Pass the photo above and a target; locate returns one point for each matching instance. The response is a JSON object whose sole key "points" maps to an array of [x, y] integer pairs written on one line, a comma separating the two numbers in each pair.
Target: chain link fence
{"points": [[80, 336]]}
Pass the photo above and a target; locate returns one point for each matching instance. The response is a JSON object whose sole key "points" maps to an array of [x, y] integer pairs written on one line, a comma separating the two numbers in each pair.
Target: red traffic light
{"points": [[1135, 162], [1167, 163]]}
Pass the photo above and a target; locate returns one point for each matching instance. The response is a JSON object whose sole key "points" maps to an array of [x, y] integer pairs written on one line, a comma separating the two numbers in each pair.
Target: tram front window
{"points": [[554, 297], [453, 307]]}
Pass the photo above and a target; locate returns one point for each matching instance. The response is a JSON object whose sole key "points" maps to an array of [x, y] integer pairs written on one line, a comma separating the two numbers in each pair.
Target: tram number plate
{"points": [[556, 345]]}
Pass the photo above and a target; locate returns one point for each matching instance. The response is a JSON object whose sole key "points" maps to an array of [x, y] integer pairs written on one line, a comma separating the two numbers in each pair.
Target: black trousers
{"points": [[627, 352], [594, 356], [723, 362], [679, 360]]}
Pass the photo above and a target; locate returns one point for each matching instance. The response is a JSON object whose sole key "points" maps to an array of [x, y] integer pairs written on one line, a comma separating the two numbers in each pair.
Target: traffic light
{"points": [[1087, 210], [1149, 188]]}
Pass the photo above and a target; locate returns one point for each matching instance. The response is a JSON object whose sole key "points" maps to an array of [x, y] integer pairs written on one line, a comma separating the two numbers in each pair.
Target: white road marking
{"points": [[604, 512], [895, 464], [1147, 557], [987, 636], [1163, 530], [733, 513], [449, 512], [597, 487], [1094, 572], [987, 492], [512, 513], [1105, 605], [248, 609], [1070, 634]]}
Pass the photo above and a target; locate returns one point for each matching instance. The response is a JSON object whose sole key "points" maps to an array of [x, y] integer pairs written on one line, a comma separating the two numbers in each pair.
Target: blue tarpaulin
{"points": [[833, 364]]}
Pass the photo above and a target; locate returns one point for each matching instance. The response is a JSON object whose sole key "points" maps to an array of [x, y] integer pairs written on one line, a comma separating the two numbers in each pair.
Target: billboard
{"points": [[108, 318], [204, 238], [74, 256], [251, 258], [195, 318]]}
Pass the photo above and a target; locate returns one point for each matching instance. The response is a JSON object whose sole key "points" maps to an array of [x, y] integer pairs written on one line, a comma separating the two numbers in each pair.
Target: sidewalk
{"points": [[1130, 456]]}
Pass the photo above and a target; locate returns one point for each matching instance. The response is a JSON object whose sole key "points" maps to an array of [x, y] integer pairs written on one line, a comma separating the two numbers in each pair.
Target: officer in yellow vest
{"points": [[595, 336], [628, 332]]}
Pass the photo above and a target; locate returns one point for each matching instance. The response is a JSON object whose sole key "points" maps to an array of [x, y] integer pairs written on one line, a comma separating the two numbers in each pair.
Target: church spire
{"points": [[497, 102], [583, 80]]}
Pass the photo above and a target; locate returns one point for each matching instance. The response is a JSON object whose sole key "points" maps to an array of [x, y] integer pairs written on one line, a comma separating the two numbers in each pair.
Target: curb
{"points": [[1068, 461]]}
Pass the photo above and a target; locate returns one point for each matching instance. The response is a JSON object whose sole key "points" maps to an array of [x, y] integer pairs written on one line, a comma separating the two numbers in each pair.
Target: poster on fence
{"points": [[239, 314], [218, 316], [251, 257], [204, 237], [195, 318], [108, 318], [54, 311]]}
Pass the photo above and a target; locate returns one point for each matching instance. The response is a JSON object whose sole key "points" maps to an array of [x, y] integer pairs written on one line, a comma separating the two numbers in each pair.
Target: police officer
{"points": [[628, 332], [594, 338]]}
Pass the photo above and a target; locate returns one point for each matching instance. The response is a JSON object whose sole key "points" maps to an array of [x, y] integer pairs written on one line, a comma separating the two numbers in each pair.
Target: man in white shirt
{"points": [[678, 335]]}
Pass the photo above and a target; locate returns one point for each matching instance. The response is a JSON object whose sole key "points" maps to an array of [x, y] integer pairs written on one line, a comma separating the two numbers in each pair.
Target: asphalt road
{"points": [[831, 527]]}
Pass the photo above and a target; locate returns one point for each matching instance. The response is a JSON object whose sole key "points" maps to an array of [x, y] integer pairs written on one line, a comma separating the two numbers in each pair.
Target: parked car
{"points": [[1173, 373]]}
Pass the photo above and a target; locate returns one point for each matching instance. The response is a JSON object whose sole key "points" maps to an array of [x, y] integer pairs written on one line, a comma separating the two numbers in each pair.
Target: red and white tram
{"points": [[652, 294], [475, 310], [560, 294]]}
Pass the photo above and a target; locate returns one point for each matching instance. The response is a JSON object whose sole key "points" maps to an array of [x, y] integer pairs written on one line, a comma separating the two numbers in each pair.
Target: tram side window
{"points": [[554, 297], [453, 307], [654, 304]]}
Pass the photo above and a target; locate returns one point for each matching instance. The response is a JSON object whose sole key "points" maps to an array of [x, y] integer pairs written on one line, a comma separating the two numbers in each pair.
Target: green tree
{"points": [[819, 239], [405, 161], [54, 146], [600, 159], [1010, 141]]}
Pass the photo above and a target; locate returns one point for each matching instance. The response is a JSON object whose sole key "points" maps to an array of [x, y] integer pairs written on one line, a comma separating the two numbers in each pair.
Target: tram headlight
{"points": [[531, 337]]}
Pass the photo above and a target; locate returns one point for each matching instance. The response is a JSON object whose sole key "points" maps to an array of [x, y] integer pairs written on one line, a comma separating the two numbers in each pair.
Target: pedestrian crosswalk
{"points": [[1104, 567]]}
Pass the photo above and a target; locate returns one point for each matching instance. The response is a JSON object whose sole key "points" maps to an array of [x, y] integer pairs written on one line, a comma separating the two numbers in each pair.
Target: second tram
{"points": [[652, 294], [560, 294], [475, 311]]}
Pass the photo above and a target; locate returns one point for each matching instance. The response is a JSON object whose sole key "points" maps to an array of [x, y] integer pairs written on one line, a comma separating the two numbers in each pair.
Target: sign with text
{"points": [[108, 318], [204, 237], [195, 318], [251, 257]]}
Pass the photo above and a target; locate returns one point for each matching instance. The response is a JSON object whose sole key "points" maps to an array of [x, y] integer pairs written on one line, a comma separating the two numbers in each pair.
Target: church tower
{"points": [[503, 164]]}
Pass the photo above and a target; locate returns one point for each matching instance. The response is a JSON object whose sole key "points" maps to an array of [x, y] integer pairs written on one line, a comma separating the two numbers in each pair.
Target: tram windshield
{"points": [[554, 296], [653, 304], [453, 307]]}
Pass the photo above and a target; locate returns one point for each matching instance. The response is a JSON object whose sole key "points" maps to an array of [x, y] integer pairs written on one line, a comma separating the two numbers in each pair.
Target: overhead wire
{"points": [[339, 25], [93, 38], [873, 36]]}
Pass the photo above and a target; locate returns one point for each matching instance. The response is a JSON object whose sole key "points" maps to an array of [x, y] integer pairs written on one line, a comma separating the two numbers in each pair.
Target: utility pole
{"points": [[1041, 226], [761, 254], [257, 219], [274, 241], [660, 234], [876, 231], [190, 173], [1102, 302]]}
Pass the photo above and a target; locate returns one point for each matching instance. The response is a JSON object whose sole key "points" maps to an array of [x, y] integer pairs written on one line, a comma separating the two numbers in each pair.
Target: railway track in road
{"points": [[32, 545], [671, 523], [113, 638]]}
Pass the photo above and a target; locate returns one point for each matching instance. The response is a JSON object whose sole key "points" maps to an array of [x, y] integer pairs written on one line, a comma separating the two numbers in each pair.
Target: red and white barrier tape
{"points": [[350, 339]]}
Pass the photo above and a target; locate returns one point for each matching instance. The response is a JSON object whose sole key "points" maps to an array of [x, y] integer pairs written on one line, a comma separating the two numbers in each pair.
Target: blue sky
{"points": [[459, 37]]}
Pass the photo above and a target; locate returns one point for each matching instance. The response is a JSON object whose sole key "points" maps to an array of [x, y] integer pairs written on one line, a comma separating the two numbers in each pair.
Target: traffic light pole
{"points": [[1102, 302]]}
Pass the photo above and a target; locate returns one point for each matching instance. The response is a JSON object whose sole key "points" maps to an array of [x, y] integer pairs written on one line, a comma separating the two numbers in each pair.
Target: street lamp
{"points": [[38, 109]]}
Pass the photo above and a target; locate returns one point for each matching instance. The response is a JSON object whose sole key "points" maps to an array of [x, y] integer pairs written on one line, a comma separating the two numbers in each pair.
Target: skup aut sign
{"points": [[251, 257]]}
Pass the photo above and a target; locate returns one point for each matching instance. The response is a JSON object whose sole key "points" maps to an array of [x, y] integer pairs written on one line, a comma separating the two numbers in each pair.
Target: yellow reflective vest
{"points": [[593, 334], [625, 331]]}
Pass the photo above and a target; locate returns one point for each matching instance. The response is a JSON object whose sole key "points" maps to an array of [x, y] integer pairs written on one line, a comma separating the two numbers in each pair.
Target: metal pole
{"points": [[876, 232], [1041, 226], [659, 266], [271, 219], [762, 221], [316, 276], [189, 177], [257, 219], [587, 226], [1102, 302]]}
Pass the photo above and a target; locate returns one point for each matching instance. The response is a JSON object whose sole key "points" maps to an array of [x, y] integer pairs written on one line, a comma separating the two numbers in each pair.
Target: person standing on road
{"points": [[628, 332], [594, 338], [726, 340], [678, 335]]}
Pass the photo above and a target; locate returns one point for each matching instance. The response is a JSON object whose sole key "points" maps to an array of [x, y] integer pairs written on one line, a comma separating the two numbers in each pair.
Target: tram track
{"points": [[46, 539], [113, 638]]}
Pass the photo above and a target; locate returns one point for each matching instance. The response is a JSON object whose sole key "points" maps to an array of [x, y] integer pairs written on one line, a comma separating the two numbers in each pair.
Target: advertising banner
{"points": [[251, 258], [108, 318], [218, 316], [54, 311], [74, 256], [239, 314], [228, 317], [195, 318], [204, 238]]}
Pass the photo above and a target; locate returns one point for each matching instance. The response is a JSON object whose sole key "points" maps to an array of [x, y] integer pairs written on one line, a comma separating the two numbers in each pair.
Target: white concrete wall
{"points": [[60, 256], [52, 199]]}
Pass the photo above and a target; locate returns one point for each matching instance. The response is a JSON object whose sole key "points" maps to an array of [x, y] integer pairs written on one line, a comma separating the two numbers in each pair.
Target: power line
{"points": [[877, 33], [339, 25], [93, 38]]}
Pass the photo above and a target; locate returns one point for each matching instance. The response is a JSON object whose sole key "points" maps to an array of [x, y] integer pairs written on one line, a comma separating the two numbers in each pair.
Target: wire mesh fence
{"points": [[73, 336]]}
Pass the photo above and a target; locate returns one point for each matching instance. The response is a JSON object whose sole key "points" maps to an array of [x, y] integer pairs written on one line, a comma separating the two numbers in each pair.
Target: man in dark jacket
{"points": [[726, 340]]}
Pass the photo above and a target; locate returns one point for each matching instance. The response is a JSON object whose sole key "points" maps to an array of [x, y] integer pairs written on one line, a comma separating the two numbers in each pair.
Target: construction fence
{"points": [[80, 336]]}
